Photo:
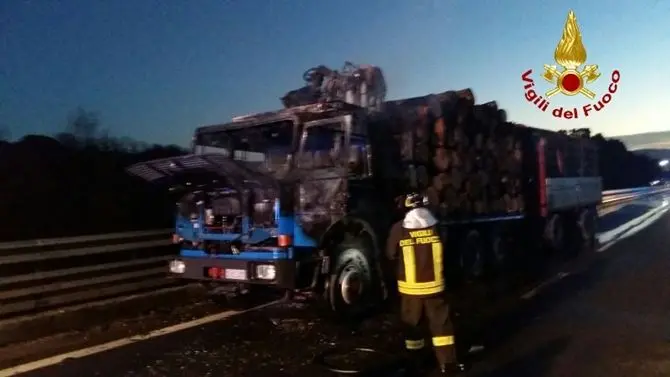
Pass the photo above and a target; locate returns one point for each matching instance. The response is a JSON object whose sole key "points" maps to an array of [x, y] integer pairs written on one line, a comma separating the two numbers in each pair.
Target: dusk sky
{"points": [[154, 70]]}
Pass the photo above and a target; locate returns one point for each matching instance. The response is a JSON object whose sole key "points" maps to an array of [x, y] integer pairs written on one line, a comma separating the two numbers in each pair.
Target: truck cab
{"points": [[283, 199]]}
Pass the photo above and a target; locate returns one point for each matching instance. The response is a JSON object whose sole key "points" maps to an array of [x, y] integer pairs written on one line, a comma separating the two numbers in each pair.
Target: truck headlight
{"points": [[265, 272], [177, 267]]}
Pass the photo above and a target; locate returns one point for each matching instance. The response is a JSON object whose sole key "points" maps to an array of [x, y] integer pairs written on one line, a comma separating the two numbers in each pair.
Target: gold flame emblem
{"points": [[570, 54]]}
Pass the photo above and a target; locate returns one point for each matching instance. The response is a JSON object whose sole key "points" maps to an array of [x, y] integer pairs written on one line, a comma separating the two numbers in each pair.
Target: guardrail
{"points": [[615, 197], [40, 275], [45, 274]]}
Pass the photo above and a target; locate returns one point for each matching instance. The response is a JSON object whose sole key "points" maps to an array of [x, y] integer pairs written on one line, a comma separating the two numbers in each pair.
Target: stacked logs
{"points": [[465, 157]]}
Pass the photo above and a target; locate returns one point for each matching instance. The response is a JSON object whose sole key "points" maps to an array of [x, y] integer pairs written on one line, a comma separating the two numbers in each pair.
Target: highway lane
{"points": [[608, 318]]}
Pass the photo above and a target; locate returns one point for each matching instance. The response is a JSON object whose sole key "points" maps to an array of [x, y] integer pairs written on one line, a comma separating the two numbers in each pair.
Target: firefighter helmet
{"points": [[415, 200]]}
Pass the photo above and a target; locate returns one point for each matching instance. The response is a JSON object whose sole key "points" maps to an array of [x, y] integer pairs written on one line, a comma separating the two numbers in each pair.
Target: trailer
{"points": [[302, 198]]}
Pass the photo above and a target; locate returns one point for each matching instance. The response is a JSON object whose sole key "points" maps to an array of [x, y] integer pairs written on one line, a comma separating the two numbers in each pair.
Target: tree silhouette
{"points": [[75, 183], [619, 167], [5, 135], [83, 125]]}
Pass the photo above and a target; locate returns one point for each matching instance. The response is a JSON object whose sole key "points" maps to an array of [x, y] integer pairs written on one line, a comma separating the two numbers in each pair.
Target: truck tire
{"points": [[587, 223], [500, 250], [472, 256], [555, 233], [352, 286]]}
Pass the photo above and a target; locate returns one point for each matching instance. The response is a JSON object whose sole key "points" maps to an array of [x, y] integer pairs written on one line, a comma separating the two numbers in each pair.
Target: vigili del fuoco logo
{"points": [[569, 79]]}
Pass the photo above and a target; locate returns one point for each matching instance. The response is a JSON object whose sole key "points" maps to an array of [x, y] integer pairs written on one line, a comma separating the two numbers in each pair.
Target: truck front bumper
{"points": [[279, 273]]}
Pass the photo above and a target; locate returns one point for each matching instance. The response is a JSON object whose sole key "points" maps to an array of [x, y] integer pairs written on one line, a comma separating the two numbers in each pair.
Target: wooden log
{"points": [[485, 177], [479, 141], [502, 116], [456, 159], [433, 196], [441, 159], [508, 203], [487, 114], [438, 185], [449, 197], [473, 188], [467, 95], [422, 153], [455, 179], [520, 203], [473, 158], [497, 205], [421, 131], [480, 207], [406, 141], [443, 210], [460, 139], [468, 163], [491, 145], [465, 205], [422, 177], [509, 143], [464, 106], [440, 130]]}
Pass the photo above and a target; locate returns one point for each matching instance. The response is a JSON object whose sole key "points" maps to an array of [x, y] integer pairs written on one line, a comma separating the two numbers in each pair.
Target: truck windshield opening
{"points": [[264, 148], [321, 148]]}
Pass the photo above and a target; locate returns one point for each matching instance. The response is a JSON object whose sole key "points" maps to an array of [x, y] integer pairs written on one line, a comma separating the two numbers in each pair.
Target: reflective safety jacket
{"points": [[415, 244]]}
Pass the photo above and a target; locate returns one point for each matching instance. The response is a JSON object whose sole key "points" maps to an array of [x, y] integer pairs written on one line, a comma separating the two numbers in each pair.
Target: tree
{"points": [[5, 135], [83, 125]]}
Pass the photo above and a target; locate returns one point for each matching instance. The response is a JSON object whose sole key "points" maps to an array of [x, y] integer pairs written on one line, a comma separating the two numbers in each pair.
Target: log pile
{"points": [[465, 157]]}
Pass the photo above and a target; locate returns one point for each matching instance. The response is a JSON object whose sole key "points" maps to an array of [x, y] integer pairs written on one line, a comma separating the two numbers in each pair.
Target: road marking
{"points": [[608, 236], [16, 321], [16, 370], [635, 228]]}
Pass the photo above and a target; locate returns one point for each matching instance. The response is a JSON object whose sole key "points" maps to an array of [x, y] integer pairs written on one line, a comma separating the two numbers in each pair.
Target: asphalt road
{"points": [[626, 212], [608, 318]]}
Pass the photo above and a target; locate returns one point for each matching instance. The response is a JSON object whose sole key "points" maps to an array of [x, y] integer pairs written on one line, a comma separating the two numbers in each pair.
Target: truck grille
{"points": [[224, 225]]}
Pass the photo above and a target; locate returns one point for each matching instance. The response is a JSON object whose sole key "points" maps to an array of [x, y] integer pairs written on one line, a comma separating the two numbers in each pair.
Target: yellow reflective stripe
{"points": [[426, 284], [421, 291], [441, 341], [437, 261], [414, 344], [410, 263], [410, 286]]}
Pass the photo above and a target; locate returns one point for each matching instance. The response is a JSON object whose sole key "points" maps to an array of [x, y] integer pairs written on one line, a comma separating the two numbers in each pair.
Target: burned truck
{"points": [[302, 198]]}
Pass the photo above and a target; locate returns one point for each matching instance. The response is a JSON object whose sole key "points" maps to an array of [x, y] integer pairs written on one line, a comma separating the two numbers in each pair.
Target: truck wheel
{"points": [[351, 288], [555, 233], [472, 255], [587, 225], [500, 250]]}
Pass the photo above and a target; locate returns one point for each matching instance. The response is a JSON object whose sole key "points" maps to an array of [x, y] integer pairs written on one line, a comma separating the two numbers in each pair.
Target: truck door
{"points": [[322, 165]]}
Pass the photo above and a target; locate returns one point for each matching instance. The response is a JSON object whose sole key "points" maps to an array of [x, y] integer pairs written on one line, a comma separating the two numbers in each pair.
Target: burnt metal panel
{"points": [[202, 169], [322, 200]]}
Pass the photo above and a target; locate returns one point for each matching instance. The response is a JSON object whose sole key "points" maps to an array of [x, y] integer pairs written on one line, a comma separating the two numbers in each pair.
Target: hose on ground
{"points": [[322, 359]]}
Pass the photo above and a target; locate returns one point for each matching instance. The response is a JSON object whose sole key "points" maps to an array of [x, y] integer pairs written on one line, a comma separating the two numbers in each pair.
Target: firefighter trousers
{"points": [[414, 311]]}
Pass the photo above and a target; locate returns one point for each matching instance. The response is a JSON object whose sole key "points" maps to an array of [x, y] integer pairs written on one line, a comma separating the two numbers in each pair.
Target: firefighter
{"points": [[415, 244]]}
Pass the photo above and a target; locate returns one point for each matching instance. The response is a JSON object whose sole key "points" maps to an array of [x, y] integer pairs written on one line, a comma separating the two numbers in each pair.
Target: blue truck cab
{"points": [[284, 199]]}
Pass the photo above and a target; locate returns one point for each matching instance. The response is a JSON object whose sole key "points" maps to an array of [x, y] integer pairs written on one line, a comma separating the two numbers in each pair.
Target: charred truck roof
{"points": [[297, 115]]}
